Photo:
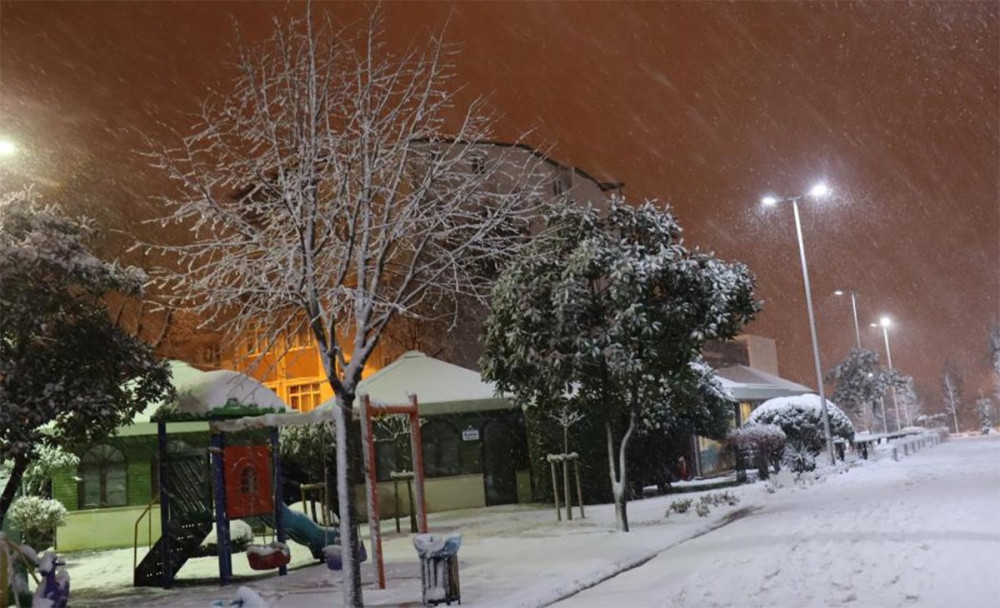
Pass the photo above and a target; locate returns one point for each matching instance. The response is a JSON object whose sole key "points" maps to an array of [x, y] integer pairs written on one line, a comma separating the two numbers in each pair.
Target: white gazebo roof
{"points": [[440, 387], [748, 384]]}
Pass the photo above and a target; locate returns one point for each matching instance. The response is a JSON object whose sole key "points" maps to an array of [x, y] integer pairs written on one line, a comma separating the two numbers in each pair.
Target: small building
{"points": [[749, 387], [475, 443]]}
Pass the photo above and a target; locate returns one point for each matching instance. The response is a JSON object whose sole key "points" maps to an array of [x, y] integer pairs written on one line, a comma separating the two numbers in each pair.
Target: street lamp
{"points": [[885, 323], [854, 309], [7, 147], [818, 191]]}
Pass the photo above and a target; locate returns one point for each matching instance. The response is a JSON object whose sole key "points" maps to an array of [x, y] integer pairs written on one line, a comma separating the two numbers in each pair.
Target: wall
{"points": [[107, 529]]}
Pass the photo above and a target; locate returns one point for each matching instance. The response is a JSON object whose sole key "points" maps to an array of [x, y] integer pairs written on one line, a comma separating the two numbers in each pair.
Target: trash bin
{"points": [[439, 568]]}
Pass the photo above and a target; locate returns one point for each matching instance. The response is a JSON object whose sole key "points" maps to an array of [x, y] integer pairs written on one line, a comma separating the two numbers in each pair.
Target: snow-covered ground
{"points": [[924, 531]]}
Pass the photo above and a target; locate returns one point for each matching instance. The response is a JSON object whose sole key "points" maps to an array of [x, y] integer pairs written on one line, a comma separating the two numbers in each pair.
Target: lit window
{"points": [[304, 397], [104, 478], [303, 338]]}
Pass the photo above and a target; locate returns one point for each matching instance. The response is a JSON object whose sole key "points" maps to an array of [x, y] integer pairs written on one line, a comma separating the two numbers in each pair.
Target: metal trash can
{"points": [[439, 568]]}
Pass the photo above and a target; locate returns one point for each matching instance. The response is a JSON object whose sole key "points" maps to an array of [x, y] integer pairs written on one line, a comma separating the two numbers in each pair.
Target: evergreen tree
{"points": [[861, 381], [68, 375], [611, 312]]}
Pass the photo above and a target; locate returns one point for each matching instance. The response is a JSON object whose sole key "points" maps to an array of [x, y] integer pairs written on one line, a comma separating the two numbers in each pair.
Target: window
{"points": [[304, 397], [255, 341], [302, 338], [479, 165], [441, 449], [104, 478]]}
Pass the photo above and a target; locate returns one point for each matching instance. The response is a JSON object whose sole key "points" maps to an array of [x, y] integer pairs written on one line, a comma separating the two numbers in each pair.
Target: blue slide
{"points": [[303, 530]]}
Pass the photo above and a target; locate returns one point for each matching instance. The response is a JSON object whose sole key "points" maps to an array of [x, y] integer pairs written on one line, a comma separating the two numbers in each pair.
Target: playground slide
{"points": [[303, 530]]}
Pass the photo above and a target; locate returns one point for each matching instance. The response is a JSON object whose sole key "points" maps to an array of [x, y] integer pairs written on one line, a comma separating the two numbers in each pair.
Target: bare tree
{"points": [[362, 194], [951, 390]]}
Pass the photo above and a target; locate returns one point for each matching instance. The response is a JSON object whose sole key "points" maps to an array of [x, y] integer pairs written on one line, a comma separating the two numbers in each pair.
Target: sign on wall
{"points": [[470, 433]]}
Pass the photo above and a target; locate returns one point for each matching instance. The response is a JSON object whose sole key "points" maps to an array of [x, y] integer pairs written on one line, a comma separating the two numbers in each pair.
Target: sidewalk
{"points": [[515, 555]]}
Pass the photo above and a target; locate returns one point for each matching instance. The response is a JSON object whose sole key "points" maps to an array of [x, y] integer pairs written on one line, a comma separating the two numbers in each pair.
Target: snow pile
{"points": [[801, 420]]}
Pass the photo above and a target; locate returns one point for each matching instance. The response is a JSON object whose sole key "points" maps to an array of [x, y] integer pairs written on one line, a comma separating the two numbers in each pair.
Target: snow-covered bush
{"points": [[799, 458], [702, 509], [240, 537], [680, 506], [800, 418], [764, 443], [36, 517]]}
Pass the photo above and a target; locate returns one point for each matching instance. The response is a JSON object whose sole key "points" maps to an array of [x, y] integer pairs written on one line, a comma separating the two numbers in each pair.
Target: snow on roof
{"points": [[182, 374], [440, 387], [199, 394], [748, 384]]}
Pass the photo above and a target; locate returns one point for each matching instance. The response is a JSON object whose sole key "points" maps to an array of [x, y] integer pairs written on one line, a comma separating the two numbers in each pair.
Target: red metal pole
{"points": [[371, 481], [417, 446]]}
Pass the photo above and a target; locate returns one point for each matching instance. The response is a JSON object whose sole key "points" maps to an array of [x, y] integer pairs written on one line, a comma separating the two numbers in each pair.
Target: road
{"points": [[924, 531]]}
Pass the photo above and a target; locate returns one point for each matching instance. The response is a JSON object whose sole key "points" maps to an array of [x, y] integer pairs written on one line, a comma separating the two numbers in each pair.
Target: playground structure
{"points": [[371, 484], [199, 488], [204, 488]]}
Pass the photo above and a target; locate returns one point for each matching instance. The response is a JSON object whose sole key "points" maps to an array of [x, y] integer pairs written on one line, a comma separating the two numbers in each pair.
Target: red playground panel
{"points": [[248, 480]]}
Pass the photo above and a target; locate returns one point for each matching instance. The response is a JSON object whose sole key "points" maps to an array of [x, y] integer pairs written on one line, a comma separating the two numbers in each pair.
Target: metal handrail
{"points": [[149, 532]]}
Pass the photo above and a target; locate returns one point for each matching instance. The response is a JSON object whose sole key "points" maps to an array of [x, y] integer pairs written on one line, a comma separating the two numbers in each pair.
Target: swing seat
{"points": [[268, 557], [333, 559]]}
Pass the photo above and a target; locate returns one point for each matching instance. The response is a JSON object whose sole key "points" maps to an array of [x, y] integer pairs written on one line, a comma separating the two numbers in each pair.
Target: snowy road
{"points": [[924, 531]]}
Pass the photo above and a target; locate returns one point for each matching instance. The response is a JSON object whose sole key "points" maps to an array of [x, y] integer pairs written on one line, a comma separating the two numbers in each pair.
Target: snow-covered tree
{"points": [[908, 398], [336, 185], [952, 380], [994, 356], [45, 463], [611, 309], [801, 420], [68, 376], [984, 408], [861, 381]]}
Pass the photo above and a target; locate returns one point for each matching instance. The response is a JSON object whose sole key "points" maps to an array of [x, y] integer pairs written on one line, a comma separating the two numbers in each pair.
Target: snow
{"points": [[216, 389], [882, 533]]}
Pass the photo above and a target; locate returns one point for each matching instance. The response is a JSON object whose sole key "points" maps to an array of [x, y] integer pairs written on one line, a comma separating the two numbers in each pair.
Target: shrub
{"points": [[37, 517], [800, 459], [702, 509], [801, 420], [764, 443], [681, 505]]}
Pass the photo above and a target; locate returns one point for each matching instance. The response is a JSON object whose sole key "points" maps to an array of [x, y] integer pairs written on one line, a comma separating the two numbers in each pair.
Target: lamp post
{"points": [[7, 147], [885, 323], [817, 192], [854, 309]]}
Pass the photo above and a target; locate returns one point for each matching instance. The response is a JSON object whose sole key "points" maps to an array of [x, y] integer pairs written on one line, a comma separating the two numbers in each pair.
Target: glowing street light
{"points": [[7, 147], [885, 323], [820, 190], [854, 309]]}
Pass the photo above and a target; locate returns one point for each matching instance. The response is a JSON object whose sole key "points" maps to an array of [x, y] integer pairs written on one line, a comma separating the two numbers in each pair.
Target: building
{"points": [[298, 376], [748, 368]]}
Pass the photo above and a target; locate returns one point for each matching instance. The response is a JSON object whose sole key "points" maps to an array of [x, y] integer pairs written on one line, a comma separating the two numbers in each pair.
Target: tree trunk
{"points": [[565, 468], [619, 481], [347, 466], [16, 474]]}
